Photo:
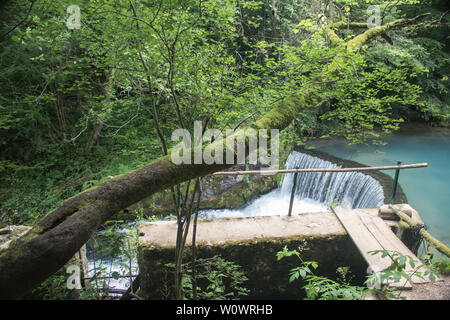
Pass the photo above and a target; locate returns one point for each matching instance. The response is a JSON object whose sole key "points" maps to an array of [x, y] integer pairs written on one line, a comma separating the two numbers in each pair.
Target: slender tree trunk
{"points": [[331, 11], [96, 134], [274, 15], [107, 100]]}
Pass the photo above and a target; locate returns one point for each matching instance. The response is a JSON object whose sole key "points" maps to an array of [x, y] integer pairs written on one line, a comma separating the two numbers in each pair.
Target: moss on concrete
{"points": [[241, 193]]}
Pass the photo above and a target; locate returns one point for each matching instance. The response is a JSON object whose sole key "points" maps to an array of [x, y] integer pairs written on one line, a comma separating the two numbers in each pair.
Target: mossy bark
{"points": [[357, 42], [55, 239]]}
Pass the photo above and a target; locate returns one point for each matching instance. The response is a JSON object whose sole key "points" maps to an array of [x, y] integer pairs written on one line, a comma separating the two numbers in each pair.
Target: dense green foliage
{"points": [[215, 279], [318, 287], [78, 106]]}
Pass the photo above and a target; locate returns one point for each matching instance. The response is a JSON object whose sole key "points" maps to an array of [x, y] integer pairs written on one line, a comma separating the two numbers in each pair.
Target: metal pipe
{"points": [[294, 187], [265, 172], [394, 185]]}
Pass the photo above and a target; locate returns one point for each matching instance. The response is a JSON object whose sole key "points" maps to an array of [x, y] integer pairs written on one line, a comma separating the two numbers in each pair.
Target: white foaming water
{"points": [[110, 266], [314, 191], [272, 203], [107, 264], [354, 189]]}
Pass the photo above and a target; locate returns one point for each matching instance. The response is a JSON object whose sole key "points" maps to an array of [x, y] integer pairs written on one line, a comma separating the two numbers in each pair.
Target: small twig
{"points": [[72, 140], [136, 296], [436, 20], [245, 119], [121, 126], [20, 22]]}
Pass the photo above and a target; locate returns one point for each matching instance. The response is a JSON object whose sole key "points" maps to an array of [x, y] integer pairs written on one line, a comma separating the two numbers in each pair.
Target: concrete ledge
{"points": [[252, 243], [221, 231]]}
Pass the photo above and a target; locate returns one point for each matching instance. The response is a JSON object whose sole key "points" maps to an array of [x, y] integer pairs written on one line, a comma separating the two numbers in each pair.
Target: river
{"points": [[427, 189]]}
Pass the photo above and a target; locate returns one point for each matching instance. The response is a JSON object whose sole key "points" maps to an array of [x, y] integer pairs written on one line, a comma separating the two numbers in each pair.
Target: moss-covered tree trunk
{"points": [[61, 233]]}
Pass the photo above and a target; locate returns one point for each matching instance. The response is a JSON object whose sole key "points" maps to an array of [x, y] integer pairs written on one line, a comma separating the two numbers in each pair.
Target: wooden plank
{"points": [[390, 242], [403, 249], [365, 241], [362, 238]]}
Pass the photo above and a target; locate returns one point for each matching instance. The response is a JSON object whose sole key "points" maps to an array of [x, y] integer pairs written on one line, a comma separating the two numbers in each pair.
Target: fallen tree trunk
{"points": [[61, 233], [43, 250]]}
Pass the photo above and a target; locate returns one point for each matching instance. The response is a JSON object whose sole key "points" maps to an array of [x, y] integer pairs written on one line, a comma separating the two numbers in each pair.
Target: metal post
{"points": [[294, 186], [394, 186]]}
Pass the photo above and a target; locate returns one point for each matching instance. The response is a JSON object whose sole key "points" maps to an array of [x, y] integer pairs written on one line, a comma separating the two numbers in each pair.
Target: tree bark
{"points": [[61, 233], [274, 15], [106, 100], [54, 240]]}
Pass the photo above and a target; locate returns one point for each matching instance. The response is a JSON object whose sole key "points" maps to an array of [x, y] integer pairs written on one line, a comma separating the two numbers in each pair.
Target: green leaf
{"points": [[302, 273], [432, 277]]}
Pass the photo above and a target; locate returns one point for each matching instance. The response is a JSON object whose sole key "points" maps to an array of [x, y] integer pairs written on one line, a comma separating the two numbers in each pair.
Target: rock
{"points": [[405, 208], [11, 233], [387, 213]]}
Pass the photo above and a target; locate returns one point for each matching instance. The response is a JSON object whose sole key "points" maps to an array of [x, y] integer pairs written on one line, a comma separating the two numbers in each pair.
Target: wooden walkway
{"points": [[369, 233]]}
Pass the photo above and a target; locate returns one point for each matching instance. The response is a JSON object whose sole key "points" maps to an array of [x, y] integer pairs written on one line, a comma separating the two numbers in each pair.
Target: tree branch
{"points": [[343, 24], [357, 42], [335, 40], [20, 22], [58, 236]]}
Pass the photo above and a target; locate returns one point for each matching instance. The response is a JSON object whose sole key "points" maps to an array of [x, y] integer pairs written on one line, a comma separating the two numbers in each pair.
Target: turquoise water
{"points": [[427, 189]]}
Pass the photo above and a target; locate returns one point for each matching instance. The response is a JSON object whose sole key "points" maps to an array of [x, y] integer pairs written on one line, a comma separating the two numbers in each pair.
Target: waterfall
{"points": [[314, 193], [354, 189]]}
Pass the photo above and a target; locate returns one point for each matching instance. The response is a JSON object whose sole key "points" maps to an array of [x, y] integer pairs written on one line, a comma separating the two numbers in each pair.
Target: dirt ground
{"points": [[439, 290]]}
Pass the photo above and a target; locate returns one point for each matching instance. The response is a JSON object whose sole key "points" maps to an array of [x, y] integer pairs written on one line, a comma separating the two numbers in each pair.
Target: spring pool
{"points": [[427, 189]]}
